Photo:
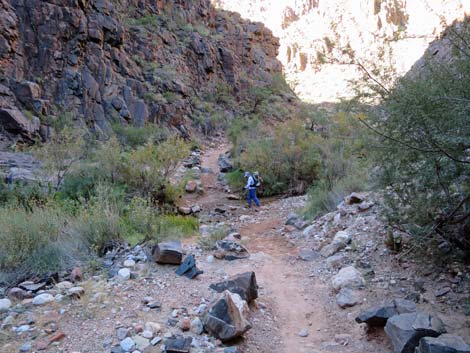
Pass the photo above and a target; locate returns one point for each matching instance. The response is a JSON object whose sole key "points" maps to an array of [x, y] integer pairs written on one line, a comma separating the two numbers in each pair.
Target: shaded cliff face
{"points": [[391, 33], [122, 61]]}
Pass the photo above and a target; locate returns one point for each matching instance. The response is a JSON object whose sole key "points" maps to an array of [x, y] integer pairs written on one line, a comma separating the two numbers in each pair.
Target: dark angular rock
{"points": [[308, 254], [224, 164], [379, 314], [178, 345], [169, 252], [230, 250], [14, 121], [405, 330], [224, 318], [243, 284], [354, 198], [443, 344], [188, 268], [404, 306], [27, 92], [31, 286]]}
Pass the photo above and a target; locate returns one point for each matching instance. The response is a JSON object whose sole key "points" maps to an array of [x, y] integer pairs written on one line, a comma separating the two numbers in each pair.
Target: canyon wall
{"points": [[318, 37], [128, 62]]}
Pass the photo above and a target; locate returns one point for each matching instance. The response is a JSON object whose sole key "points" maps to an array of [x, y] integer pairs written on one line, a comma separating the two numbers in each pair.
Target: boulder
{"points": [[14, 121], [348, 277], [292, 218], [169, 252], [346, 298], [243, 284], [225, 319], [124, 274], [191, 186], [188, 268], [336, 261], [178, 344], [230, 250], [308, 254], [31, 286], [340, 241], [76, 292], [27, 92], [224, 164], [127, 344], [5, 304], [185, 211], [379, 314], [16, 294], [42, 299], [355, 198], [443, 344], [405, 330]]}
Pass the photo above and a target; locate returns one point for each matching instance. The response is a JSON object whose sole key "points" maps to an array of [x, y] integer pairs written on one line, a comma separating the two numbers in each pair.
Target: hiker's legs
{"points": [[255, 198], [250, 197]]}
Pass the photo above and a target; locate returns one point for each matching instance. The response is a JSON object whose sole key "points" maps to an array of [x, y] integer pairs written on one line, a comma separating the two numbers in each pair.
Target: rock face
{"points": [[443, 344], [405, 330], [312, 34], [169, 252], [243, 284], [225, 318], [130, 62]]}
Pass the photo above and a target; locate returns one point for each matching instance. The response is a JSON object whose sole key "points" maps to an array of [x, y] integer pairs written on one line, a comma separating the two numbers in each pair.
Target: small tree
{"points": [[423, 138], [60, 153]]}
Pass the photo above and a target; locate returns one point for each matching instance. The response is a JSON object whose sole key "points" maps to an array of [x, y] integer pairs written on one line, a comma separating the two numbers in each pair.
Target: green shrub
{"points": [[288, 160], [133, 136], [422, 130], [35, 242], [202, 29]]}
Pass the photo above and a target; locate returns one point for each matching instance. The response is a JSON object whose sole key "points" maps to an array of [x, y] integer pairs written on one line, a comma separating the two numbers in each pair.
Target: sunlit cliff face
{"points": [[388, 33]]}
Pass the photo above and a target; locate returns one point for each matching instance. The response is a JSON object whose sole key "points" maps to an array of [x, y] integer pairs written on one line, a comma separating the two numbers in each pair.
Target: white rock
{"points": [[127, 344], [23, 328], [155, 341], [5, 304], [210, 259], [147, 334], [64, 285], [76, 292], [129, 263], [141, 343], [342, 237], [309, 231], [197, 326], [348, 277], [42, 299], [124, 274]]}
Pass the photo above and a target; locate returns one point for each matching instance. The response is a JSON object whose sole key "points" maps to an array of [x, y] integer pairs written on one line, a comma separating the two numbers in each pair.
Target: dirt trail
{"points": [[282, 284]]}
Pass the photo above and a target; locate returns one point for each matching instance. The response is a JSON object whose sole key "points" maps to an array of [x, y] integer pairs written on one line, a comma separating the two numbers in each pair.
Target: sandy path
{"points": [[282, 284]]}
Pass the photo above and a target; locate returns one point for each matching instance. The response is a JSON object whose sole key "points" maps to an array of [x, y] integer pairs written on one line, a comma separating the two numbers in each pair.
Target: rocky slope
{"points": [[390, 33], [122, 61]]}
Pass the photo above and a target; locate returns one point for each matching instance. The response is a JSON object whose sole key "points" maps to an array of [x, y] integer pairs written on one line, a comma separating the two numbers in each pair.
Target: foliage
{"points": [[60, 153], [133, 136], [288, 160], [423, 129], [34, 242]]}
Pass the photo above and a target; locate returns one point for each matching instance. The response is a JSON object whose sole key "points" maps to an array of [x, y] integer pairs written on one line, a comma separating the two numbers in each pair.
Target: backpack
{"points": [[257, 181]]}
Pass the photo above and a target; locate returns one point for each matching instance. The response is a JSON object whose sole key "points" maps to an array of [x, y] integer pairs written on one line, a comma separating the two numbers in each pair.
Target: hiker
{"points": [[251, 185]]}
